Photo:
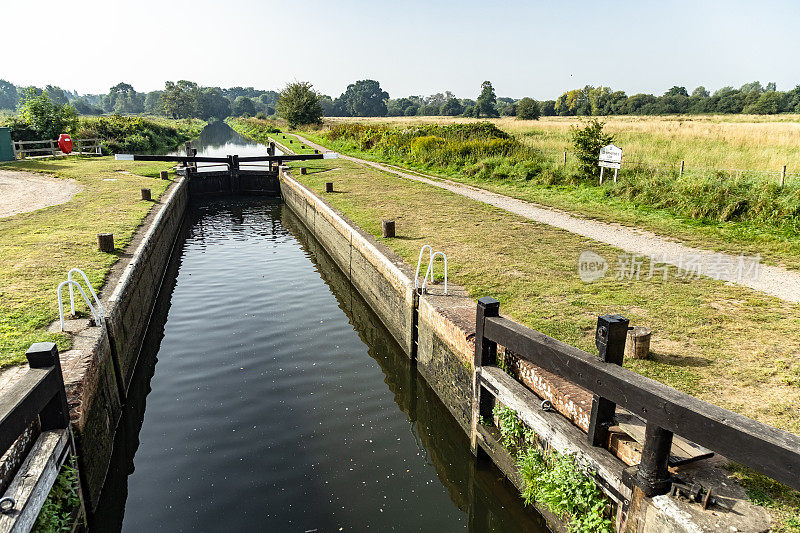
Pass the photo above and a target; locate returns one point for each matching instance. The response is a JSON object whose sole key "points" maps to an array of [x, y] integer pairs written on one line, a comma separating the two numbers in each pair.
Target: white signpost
{"points": [[610, 157]]}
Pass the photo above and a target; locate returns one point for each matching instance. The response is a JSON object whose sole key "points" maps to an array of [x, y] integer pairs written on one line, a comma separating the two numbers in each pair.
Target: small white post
{"points": [[615, 175], [601, 174]]}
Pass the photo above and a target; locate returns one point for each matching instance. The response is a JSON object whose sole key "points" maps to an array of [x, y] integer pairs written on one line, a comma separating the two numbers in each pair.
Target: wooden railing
{"points": [[23, 149], [39, 394], [667, 411]]}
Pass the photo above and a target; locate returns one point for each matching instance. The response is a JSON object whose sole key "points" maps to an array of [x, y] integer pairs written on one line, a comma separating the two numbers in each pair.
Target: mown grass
{"points": [[38, 248], [735, 215], [724, 344]]}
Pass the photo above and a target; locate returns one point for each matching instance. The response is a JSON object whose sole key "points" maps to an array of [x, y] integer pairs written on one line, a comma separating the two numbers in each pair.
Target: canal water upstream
{"points": [[269, 397]]}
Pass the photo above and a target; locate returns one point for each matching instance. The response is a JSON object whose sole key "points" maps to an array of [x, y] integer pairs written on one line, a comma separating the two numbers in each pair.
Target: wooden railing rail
{"points": [[50, 147], [38, 394], [667, 411]]}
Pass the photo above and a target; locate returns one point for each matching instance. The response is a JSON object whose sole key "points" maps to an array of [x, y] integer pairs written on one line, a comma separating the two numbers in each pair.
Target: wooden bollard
{"points": [[290, 141], [388, 228], [638, 345], [164, 175], [328, 186], [146, 194], [316, 151], [303, 146], [303, 170], [105, 242]]}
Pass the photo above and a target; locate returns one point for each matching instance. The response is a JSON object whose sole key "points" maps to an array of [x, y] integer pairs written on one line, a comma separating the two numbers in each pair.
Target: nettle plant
{"points": [[554, 480], [58, 512]]}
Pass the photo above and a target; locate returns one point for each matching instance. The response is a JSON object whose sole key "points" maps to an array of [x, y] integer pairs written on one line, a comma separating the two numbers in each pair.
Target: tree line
{"points": [[366, 98], [181, 99]]}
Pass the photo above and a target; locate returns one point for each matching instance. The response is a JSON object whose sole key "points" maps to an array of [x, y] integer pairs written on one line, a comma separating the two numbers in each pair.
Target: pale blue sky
{"points": [[536, 49]]}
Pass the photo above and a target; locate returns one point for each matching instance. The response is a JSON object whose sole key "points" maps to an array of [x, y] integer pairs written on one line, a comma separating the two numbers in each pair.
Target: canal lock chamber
{"points": [[268, 395]]}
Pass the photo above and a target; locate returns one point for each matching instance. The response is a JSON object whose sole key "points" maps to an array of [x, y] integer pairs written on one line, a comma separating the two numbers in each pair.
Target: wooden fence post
{"points": [[485, 354], [387, 227], [105, 242], [55, 415], [783, 176], [565, 158], [612, 330], [681, 172]]}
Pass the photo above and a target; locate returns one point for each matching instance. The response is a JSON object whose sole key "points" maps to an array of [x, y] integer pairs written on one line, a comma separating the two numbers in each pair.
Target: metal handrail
{"points": [[419, 262], [91, 290], [98, 319], [429, 271]]}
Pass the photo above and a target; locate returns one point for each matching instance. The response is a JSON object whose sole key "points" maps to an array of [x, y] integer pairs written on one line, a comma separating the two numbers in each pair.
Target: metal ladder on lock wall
{"points": [[432, 255], [97, 310]]}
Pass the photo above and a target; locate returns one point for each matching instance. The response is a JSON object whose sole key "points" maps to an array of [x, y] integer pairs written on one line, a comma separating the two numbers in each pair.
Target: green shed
{"points": [[6, 149]]}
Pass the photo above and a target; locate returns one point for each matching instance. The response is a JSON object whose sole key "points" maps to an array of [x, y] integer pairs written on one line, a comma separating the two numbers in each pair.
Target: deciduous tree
{"points": [[298, 103], [486, 104], [528, 109]]}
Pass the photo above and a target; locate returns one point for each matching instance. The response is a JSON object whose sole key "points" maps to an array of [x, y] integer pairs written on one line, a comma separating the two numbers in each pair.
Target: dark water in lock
{"points": [[269, 397]]}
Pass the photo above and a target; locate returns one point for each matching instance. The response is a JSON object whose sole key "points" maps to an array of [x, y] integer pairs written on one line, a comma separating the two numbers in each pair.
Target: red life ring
{"points": [[65, 143]]}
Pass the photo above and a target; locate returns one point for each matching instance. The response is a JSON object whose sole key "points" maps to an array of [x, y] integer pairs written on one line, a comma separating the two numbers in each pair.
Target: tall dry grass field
{"points": [[761, 144]]}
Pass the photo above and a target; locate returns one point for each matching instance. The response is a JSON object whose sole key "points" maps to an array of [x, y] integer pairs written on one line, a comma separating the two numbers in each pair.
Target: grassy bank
{"points": [[732, 214], [137, 134], [38, 248], [264, 131], [756, 142], [724, 344]]}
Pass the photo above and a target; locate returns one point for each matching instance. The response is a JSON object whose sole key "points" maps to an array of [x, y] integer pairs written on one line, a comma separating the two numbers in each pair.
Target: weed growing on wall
{"points": [[58, 512], [554, 480]]}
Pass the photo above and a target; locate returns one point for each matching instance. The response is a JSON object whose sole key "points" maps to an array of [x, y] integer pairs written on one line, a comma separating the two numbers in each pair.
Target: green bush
{"points": [[120, 134], [478, 149], [586, 143]]}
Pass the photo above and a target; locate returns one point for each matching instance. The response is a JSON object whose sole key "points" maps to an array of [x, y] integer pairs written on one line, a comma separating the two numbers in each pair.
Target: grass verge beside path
{"points": [[38, 248], [264, 131], [777, 246], [724, 344]]}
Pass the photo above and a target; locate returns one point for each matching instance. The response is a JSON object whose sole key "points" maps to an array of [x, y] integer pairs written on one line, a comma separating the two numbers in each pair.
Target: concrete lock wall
{"points": [[443, 345], [97, 385]]}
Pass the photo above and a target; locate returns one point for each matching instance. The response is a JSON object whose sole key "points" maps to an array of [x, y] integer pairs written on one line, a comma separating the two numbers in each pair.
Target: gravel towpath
{"points": [[21, 192], [747, 271]]}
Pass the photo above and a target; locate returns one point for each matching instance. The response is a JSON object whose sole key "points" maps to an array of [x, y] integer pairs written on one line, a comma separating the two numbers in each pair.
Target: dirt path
{"points": [[21, 192], [746, 271]]}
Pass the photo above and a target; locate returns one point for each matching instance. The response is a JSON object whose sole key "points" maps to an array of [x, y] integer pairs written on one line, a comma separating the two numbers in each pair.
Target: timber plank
{"points": [[34, 480], [555, 429]]}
